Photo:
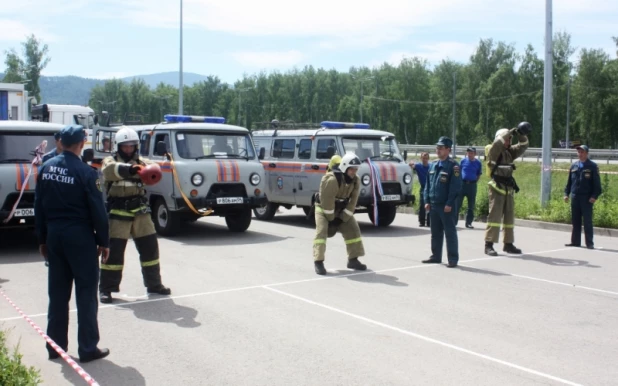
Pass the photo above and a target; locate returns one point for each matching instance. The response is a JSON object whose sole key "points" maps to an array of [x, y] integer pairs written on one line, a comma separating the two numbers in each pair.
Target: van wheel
{"points": [[166, 223], [386, 215], [239, 221], [266, 212]]}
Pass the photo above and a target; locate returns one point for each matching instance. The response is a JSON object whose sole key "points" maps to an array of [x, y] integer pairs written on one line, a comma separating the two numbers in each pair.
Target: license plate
{"points": [[391, 197], [230, 200], [24, 212]]}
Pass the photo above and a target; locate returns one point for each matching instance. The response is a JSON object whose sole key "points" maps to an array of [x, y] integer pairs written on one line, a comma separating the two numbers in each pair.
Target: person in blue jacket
{"points": [[73, 231], [54, 152], [441, 191], [583, 188]]}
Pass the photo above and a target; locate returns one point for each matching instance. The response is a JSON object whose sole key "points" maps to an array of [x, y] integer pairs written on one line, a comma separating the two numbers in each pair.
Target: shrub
{"points": [[12, 371]]}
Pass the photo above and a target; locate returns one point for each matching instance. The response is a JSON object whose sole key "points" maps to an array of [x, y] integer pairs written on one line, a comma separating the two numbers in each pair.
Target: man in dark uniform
{"points": [[583, 188], [441, 191], [54, 152], [72, 229], [471, 170], [421, 171]]}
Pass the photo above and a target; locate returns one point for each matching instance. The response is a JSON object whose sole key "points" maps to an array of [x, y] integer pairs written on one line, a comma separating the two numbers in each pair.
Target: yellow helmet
{"points": [[334, 161]]}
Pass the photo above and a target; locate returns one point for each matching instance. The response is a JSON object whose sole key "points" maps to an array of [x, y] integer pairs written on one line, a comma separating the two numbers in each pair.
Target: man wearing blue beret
{"points": [[441, 191], [73, 231]]}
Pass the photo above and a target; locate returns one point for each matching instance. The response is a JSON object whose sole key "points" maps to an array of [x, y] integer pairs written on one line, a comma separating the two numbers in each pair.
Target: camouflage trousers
{"points": [[349, 230], [141, 229]]}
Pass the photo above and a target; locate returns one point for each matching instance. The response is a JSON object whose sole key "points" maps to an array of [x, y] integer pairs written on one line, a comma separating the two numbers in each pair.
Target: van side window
{"points": [[304, 149], [165, 138], [323, 151], [144, 145], [284, 148]]}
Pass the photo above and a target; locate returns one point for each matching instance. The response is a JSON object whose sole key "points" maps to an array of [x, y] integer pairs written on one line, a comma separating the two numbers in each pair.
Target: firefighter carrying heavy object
{"points": [[334, 211], [130, 215], [502, 187]]}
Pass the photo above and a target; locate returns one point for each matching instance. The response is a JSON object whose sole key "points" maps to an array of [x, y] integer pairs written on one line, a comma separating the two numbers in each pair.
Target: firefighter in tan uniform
{"points": [[334, 211], [502, 187], [130, 216]]}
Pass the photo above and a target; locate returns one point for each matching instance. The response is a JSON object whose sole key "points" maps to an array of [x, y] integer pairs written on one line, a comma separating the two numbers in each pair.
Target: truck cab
{"points": [[296, 157], [209, 169]]}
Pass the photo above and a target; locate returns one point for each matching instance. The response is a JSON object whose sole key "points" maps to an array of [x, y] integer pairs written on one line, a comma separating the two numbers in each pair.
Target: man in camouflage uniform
{"points": [[130, 216], [334, 211], [502, 187]]}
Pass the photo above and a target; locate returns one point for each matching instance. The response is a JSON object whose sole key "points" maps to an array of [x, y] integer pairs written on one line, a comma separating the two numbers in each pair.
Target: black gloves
{"points": [[134, 169], [524, 128], [336, 222]]}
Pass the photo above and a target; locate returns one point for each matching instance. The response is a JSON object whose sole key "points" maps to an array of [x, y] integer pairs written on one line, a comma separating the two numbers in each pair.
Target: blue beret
{"points": [[72, 134], [57, 135], [445, 141]]}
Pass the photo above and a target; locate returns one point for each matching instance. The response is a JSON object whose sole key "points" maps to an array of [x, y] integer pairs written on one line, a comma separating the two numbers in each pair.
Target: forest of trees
{"points": [[498, 87]]}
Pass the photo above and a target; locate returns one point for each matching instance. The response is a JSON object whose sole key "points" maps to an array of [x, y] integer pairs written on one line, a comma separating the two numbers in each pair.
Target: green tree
{"points": [[35, 60]]}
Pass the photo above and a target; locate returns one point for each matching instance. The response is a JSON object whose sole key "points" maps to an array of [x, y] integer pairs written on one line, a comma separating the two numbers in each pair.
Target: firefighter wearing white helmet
{"points": [[130, 216], [502, 186], [334, 211]]}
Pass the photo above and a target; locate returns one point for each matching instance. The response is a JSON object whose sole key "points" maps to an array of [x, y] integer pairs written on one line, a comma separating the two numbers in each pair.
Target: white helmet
{"points": [[501, 133], [126, 136], [349, 160]]}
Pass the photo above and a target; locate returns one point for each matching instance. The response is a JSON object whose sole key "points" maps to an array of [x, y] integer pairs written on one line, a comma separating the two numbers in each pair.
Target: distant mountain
{"points": [[76, 90]]}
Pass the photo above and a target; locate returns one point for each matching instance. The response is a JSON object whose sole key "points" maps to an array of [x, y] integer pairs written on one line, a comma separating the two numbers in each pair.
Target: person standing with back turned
{"points": [[73, 230]]}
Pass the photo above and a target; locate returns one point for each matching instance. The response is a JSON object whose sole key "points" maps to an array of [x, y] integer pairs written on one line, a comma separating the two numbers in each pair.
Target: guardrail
{"points": [[532, 152]]}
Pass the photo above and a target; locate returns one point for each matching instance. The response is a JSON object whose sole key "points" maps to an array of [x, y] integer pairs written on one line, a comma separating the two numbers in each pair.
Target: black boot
{"points": [[160, 289], [357, 265], [105, 297], [98, 354], [489, 249], [510, 248], [319, 267]]}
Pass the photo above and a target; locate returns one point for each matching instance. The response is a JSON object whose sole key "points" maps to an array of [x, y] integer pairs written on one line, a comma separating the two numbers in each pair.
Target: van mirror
{"points": [[88, 155], [262, 153], [405, 155], [161, 148], [96, 119]]}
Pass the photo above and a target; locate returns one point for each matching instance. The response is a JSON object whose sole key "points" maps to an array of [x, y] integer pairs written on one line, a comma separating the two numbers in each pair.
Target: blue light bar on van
{"points": [[170, 118], [344, 125]]}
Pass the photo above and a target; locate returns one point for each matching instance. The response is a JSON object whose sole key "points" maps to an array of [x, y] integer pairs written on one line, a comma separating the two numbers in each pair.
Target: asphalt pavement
{"points": [[248, 309]]}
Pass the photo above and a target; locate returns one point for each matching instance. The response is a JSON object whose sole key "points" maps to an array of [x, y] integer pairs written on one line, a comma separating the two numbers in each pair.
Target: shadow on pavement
{"points": [[164, 311], [19, 247], [372, 278], [481, 271], [202, 233], [104, 371], [555, 261]]}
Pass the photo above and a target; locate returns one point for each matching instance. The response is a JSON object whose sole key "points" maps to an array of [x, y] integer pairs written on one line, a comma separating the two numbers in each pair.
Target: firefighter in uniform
{"points": [[130, 215], [442, 188], [334, 211], [583, 188], [73, 230], [502, 187]]}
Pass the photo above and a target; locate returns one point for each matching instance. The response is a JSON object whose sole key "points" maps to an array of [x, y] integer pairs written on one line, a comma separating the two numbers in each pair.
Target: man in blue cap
{"points": [[54, 152], [441, 190], [73, 231], [471, 170], [583, 188]]}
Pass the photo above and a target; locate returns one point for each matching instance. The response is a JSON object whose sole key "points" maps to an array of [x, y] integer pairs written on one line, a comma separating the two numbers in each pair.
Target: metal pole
{"points": [[454, 115], [239, 107], [180, 85], [547, 107], [361, 103], [568, 117]]}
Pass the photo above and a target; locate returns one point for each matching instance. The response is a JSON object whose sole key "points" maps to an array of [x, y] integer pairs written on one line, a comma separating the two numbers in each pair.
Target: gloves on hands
{"points": [[134, 169], [336, 222]]}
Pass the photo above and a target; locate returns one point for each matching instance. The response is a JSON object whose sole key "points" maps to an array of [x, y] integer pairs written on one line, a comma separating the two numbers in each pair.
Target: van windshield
{"points": [[19, 147], [376, 148], [211, 145]]}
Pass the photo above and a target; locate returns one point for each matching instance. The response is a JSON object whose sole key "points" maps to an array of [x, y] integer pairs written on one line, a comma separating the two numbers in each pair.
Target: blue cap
{"points": [[72, 134], [57, 136], [583, 147], [445, 141]]}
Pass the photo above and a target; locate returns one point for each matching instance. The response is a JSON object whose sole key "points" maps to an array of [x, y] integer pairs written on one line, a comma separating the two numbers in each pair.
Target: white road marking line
{"points": [[425, 338], [158, 299]]}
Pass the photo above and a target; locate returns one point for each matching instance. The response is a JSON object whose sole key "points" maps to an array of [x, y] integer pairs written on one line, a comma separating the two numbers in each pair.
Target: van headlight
{"points": [[407, 178], [255, 179], [366, 179], [197, 179]]}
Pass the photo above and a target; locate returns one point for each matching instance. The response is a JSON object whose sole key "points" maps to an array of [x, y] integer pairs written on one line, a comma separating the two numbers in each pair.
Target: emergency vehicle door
{"points": [[148, 149], [304, 177], [281, 168]]}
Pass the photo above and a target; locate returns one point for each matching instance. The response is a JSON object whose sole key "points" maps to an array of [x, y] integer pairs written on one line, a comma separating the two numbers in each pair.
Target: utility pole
{"points": [[454, 115], [568, 111], [181, 84], [547, 107]]}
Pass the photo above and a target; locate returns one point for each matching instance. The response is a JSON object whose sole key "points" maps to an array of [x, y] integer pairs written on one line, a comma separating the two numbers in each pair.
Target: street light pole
{"points": [[547, 106], [180, 85]]}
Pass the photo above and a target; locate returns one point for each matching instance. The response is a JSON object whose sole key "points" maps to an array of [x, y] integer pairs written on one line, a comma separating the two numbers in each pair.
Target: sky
{"points": [[117, 38]]}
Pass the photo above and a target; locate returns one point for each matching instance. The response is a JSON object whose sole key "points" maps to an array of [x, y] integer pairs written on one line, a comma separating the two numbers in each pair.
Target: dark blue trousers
{"points": [[444, 224], [581, 207], [72, 252], [468, 190], [423, 216]]}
